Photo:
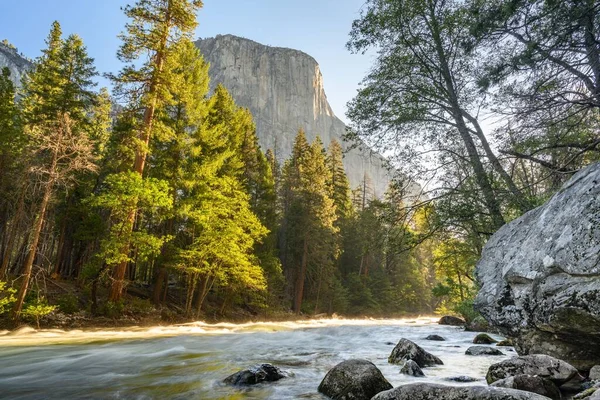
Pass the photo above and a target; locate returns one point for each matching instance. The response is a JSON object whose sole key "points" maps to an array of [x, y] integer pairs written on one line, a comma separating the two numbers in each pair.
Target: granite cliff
{"points": [[540, 275], [283, 88], [17, 64]]}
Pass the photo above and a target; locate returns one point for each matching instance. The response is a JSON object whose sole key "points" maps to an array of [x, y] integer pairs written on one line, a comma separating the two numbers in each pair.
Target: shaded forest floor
{"points": [[73, 310]]}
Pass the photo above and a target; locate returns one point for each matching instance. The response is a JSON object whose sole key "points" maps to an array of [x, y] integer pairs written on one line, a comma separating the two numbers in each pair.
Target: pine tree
{"points": [[340, 187], [12, 144], [155, 30], [57, 103], [222, 230], [309, 216]]}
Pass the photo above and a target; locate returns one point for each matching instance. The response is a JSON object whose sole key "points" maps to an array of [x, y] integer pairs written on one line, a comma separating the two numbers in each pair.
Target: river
{"points": [[189, 361]]}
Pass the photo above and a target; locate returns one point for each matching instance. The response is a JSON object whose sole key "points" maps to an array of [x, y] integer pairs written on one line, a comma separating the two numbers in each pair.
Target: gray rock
{"points": [[284, 90], [407, 350], [543, 366], [353, 380], [478, 324], [461, 379], [257, 374], [504, 343], [483, 351], [484, 338], [436, 338], [529, 383], [17, 64], [539, 275], [411, 368], [432, 391], [595, 373], [452, 321]]}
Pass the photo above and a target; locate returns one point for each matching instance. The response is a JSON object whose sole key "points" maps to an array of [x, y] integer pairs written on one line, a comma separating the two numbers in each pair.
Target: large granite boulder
{"points": [[429, 391], [530, 383], [540, 275], [406, 350], [354, 380], [540, 365]]}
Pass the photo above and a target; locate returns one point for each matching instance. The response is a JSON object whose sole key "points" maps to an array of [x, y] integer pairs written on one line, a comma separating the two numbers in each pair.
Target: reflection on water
{"points": [[189, 361]]}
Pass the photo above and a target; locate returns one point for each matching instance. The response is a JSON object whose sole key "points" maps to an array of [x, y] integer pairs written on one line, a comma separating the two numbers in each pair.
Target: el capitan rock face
{"points": [[540, 275], [283, 88]]}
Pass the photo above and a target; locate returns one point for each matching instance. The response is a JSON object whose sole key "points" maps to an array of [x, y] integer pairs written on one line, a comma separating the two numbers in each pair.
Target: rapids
{"points": [[189, 361]]}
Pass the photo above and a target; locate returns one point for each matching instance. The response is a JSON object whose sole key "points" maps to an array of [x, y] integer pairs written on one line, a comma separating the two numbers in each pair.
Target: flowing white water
{"points": [[189, 361]]}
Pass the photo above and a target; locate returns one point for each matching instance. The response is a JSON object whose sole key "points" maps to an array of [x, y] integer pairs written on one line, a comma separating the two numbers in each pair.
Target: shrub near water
{"points": [[6, 297]]}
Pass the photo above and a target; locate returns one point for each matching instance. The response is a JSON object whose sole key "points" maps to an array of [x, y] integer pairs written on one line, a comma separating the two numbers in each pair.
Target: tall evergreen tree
{"points": [[57, 102], [309, 216], [155, 30], [11, 147]]}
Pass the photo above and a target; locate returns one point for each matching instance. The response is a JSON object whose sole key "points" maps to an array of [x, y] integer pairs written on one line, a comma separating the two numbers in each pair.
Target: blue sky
{"points": [[317, 27]]}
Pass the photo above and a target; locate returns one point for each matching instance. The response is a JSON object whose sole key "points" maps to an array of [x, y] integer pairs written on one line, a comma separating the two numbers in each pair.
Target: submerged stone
{"points": [[257, 374]]}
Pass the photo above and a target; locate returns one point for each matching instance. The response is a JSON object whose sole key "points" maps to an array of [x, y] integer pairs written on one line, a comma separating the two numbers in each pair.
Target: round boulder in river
{"points": [[483, 351], [254, 375], [529, 383], [484, 338], [541, 365], [354, 380], [412, 368], [407, 350], [431, 391], [436, 338], [450, 320]]}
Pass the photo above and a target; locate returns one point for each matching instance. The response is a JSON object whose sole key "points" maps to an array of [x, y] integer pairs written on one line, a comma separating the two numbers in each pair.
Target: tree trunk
{"points": [[12, 235], [300, 278], [481, 177], [37, 229], [140, 158]]}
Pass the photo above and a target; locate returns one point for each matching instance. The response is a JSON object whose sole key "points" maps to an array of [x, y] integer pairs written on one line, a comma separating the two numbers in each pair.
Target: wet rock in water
{"points": [[461, 379], [595, 373], [436, 338], [390, 343], [541, 365], [411, 368], [478, 324], [354, 380], [483, 351], [430, 391], [504, 343], [450, 320], [257, 374], [406, 350], [529, 383], [539, 275], [484, 338]]}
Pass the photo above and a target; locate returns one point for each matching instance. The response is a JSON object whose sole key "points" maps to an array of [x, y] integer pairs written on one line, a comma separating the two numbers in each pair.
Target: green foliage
{"points": [[137, 306], [466, 311], [68, 303], [112, 309], [36, 310], [125, 192], [6, 297]]}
